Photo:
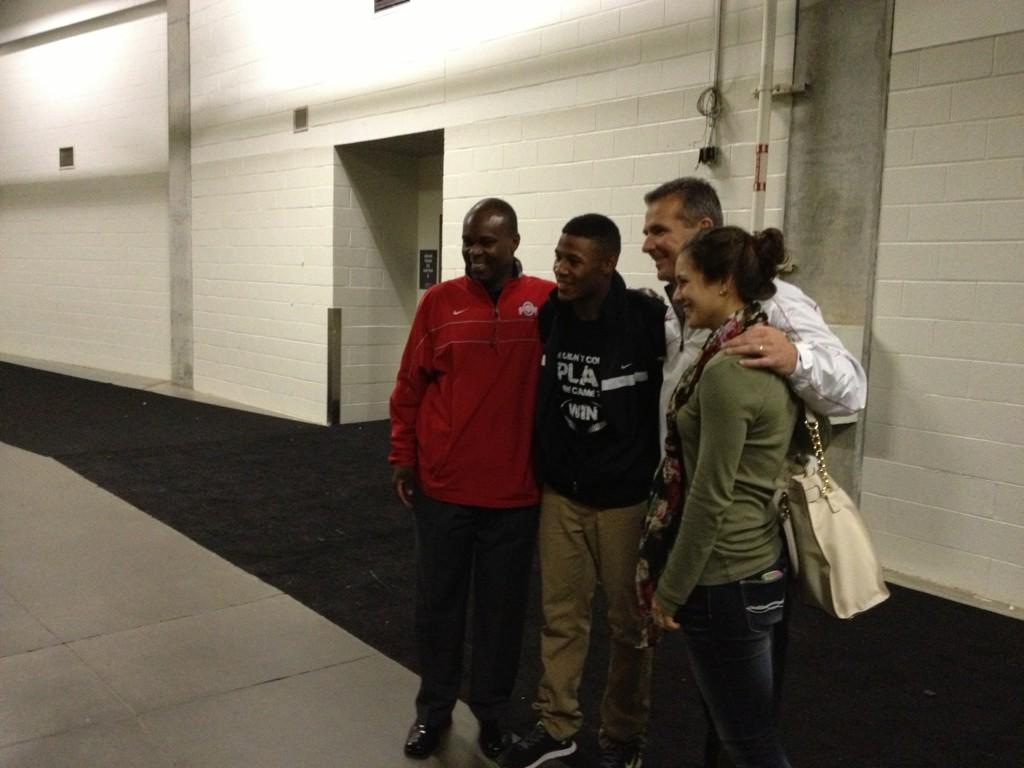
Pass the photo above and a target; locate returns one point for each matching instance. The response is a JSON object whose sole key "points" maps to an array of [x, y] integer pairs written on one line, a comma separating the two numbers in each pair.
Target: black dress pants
{"points": [[492, 549]]}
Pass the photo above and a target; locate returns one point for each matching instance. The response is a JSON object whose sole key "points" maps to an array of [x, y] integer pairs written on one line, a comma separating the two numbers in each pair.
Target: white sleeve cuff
{"points": [[804, 362]]}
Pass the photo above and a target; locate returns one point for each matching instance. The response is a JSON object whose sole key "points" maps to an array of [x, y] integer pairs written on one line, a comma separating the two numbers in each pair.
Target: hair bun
{"points": [[751, 260], [770, 247]]}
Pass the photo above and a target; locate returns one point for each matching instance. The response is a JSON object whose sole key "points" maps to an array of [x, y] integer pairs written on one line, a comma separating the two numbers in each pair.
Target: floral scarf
{"points": [[668, 489]]}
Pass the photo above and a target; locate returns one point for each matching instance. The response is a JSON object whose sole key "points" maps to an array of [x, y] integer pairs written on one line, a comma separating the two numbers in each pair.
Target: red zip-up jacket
{"points": [[462, 407]]}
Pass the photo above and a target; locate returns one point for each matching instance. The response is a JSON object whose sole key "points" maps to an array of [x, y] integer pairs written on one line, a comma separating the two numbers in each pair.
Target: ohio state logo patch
{"points": [[528, 309]]}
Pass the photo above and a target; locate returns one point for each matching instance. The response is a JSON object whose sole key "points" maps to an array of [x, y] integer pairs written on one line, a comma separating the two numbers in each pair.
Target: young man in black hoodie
{"points": [[597, 449]]}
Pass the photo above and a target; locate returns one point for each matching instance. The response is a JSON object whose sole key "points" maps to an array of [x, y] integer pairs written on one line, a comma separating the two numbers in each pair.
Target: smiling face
{"points": [[705, 303], [666, 232], [583, 273], [489, 245]]}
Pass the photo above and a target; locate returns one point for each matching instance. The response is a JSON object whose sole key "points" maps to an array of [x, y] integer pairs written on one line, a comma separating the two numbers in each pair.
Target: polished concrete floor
{"points": [[123, 644]]}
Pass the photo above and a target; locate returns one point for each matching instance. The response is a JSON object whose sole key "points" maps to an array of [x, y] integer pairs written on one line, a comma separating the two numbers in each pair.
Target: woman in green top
{"points": [[712, 560]]}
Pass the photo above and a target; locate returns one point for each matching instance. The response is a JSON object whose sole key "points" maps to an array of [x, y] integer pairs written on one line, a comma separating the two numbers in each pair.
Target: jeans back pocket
{"points": [[764, 597]]}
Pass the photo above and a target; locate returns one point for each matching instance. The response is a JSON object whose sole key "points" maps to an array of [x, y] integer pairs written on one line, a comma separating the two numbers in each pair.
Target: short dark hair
{"points": [[698, 197], [598, 228], [752, 261], [499, 206]]}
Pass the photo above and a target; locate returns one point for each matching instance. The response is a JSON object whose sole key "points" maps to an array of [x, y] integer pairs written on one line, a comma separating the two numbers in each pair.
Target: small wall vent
{"points": [[300, 120], [66, 157]]}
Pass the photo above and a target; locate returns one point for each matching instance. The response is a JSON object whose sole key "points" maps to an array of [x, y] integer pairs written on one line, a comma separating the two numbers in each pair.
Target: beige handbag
{"points": [[830, 550]]}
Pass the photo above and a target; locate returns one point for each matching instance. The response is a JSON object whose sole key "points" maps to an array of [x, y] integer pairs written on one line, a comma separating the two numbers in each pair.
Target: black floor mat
{"points": [[919, 682]]}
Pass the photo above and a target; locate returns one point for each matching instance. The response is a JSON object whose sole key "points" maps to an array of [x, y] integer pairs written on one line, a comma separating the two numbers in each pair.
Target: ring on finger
{"points": [[760, 349]]}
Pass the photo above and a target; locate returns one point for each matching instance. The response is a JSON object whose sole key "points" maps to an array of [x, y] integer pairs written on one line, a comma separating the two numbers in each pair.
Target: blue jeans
{"points": [[728, 631]]}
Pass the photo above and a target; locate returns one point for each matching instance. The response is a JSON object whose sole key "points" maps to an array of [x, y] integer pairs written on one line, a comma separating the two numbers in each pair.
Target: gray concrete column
{"points": [[179, 125], [834, 177]]}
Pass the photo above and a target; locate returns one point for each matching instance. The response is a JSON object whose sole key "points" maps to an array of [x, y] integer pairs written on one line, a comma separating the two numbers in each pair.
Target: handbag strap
{"points": [[811, 421]]}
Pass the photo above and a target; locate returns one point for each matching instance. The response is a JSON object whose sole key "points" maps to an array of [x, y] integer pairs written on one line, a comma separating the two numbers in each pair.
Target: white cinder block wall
{"points": [[84, 274], [944, 458], [561, 107], [262, 230]]}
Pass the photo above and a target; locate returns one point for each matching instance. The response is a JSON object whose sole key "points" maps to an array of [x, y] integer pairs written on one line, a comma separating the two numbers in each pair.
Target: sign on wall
{"points": [[430, 267]]}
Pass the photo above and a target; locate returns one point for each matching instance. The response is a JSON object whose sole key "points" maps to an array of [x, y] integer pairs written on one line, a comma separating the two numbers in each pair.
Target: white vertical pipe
{"points": [[764, 116], [717, 54]]}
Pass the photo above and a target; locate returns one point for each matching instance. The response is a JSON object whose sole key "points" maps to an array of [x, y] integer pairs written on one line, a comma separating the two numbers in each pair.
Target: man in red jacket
{"points": [[461, 430]]}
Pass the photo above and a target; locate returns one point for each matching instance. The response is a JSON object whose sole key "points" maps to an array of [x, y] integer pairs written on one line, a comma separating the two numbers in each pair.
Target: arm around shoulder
{"points": [[827, 377]]}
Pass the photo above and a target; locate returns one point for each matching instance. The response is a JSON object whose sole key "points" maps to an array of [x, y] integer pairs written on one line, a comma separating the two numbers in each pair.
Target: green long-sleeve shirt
{"points": [[735, 431]]}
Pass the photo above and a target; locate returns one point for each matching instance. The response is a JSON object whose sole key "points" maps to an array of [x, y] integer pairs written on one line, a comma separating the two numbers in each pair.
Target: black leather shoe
{"points": [[422, 739], [492, 738]]}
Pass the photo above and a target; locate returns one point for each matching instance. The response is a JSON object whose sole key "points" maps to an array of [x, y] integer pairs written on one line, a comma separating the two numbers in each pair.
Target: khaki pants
{"points": [[579, 546]]}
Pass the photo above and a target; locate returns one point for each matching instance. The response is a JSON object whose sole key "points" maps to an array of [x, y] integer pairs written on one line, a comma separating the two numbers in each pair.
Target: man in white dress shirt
{"points": [[797, 344]]}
